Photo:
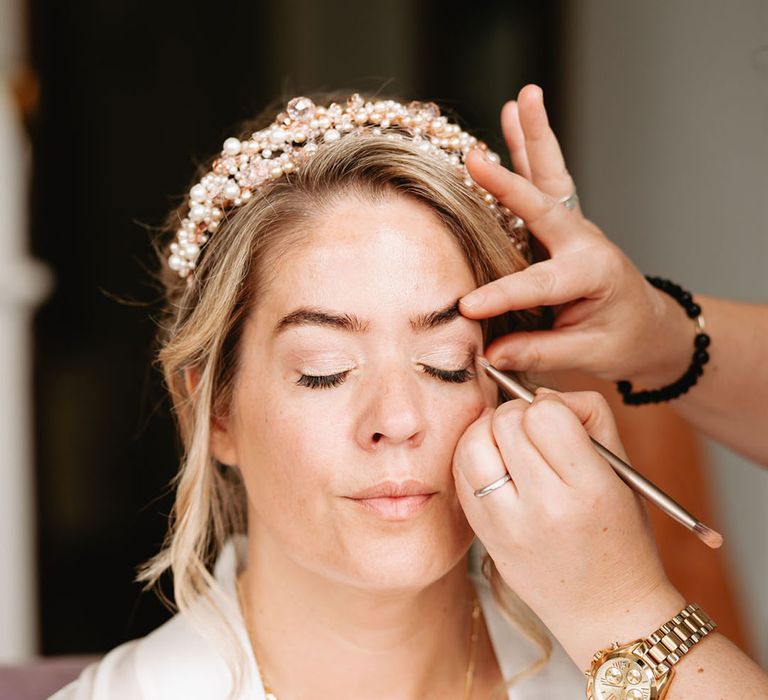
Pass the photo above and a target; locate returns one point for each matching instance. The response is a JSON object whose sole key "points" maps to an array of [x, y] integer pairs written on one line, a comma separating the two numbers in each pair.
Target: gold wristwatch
{"points": [[643, 669]]}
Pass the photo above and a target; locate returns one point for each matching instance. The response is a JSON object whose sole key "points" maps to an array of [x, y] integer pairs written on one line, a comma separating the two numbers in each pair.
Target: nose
{"points": [[393, 411]]}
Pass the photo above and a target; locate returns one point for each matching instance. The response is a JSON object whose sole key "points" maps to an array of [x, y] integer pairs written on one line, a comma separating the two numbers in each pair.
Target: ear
{"points": [[222, 444]]}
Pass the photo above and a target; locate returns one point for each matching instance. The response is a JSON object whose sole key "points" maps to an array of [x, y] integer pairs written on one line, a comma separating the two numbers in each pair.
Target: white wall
{"points": [[667, 133]]}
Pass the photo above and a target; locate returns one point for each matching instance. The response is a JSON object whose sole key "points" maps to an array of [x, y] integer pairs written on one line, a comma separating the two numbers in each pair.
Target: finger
{"points": [[515, 139], [542, 351], [594, 413], [477, 462], [568, 277], [545, 158], [558, 434], [545, 216], [524, 462]]}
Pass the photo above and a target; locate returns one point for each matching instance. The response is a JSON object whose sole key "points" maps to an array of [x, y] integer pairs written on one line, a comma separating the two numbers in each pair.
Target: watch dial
{"points": [[622, 679]]}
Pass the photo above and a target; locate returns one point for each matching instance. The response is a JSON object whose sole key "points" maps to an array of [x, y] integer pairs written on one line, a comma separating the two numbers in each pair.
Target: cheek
{"points": [[284, 450], [455, 415]]}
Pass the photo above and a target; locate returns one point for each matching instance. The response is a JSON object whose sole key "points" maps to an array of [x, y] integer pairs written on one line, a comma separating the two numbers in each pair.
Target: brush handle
{"points": [[646, 488], [632, 478]]}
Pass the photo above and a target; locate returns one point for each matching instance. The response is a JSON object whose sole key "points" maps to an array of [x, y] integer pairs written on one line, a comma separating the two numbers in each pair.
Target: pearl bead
{"points": [[231, 146], [197, 212], [279, 136], [332, 135], [231, 190], [174, 262], [198, 193], [191, 250]]}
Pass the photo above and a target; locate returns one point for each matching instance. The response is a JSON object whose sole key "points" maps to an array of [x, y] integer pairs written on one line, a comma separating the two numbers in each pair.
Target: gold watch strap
{"points": [[674, 639]]}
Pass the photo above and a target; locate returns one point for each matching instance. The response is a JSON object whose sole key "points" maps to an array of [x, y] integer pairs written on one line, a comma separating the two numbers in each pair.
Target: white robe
{"points": [[178, 662]]}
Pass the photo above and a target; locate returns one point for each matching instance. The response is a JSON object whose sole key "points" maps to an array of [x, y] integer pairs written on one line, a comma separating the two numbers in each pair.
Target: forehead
{"points": [[383, 259]]}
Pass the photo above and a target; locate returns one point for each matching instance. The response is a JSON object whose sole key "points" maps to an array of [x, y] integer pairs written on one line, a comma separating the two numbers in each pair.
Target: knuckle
{"points": [[559, 514], [508, 415], [604, 495], [609, 260], [467, 452], [532, 359], [596, 401], [473, 435], [546, 410], [544, 281]]}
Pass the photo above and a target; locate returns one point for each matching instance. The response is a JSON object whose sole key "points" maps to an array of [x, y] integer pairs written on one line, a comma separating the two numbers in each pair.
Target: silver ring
{"points": [[493, 486], [571, 201]]}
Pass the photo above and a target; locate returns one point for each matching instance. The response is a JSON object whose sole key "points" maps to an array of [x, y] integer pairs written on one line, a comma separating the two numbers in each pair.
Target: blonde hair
{"points": [[200, 334]]}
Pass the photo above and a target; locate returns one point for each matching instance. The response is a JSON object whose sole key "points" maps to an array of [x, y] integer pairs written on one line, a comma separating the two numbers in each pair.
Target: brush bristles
{"points": [[708, 536], [483, 362]]}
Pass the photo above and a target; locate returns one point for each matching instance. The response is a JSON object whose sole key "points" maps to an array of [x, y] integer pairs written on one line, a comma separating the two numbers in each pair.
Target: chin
{"points": [[390, 563]]}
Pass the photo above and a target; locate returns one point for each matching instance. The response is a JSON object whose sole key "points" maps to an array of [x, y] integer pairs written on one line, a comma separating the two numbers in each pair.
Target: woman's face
{"points": [[356, 380]]}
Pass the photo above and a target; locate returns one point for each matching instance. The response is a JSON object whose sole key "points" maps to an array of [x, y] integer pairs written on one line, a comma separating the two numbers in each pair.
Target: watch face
{"points": [[624, 677]]}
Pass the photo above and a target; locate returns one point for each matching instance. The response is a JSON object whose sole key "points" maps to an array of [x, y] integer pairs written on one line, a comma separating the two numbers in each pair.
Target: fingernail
{"points": [[473, 299]]}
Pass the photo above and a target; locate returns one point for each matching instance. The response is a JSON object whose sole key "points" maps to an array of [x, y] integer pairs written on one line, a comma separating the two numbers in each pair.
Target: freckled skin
{"points": [[303, 450]]}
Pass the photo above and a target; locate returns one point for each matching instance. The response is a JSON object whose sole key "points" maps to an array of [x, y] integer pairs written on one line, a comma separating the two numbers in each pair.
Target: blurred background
{"points": [[105, 110]]}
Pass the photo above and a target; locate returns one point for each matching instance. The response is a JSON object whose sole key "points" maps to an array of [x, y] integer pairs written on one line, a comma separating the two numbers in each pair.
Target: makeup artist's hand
{"points": [[566, 534], [605, 309]]}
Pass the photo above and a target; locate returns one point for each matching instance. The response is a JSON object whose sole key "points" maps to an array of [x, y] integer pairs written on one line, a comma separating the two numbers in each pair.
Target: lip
{"points": [[393, 500], [395, 489], [399, 508]]}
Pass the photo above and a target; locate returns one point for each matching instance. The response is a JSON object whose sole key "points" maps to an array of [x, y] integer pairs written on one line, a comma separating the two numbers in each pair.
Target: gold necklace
{"points": [[469, 675]]}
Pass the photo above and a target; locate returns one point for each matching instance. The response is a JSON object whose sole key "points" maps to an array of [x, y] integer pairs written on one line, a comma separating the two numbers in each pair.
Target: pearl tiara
{"points": [[294, 136]]}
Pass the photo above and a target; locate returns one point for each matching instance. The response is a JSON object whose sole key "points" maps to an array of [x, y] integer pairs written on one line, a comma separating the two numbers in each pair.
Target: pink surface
{"points": [[37, 679]]}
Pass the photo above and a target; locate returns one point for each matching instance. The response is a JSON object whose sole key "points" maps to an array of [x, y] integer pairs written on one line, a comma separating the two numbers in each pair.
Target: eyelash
{"points": [[328, 381]]}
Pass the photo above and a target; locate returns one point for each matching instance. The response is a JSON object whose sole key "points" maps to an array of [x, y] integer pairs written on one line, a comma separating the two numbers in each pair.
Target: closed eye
{"points": [[325, 381], [454, 376], [328, 381]]}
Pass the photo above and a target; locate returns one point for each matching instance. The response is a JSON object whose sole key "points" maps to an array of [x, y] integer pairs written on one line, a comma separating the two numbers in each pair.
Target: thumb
{"points": [[542, 351]]}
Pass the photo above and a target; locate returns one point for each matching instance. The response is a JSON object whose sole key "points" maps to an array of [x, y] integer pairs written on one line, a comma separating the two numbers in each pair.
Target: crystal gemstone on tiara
{"points": [[284, 146], [300, 108]]}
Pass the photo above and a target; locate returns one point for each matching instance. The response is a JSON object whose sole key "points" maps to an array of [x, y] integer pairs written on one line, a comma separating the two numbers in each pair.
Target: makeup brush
{"points": [[632, 478]]}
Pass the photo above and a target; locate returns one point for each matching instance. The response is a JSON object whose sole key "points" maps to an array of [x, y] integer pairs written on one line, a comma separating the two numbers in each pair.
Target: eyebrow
{"points": [[315, 316]]}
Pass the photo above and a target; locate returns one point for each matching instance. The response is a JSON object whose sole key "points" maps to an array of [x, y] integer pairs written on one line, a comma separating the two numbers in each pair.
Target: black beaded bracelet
{"points": [[700, 355]]}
